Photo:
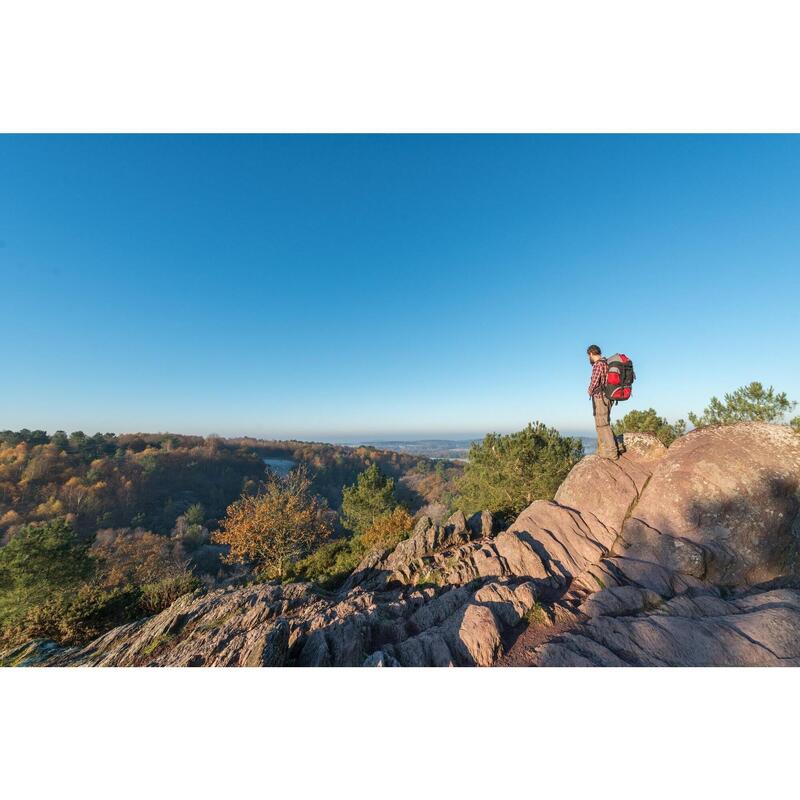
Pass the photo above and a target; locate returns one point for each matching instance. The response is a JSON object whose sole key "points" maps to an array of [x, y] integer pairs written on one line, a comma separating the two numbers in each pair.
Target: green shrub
{"points": [[155, 597], [537, 615], [74, 618], [52, 587], [507, 473], [195, 514], [649, 422], [329, 565]]}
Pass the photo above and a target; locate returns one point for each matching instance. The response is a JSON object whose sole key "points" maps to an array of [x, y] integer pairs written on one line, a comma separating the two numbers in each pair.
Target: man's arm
{"points": [[597, 371]]}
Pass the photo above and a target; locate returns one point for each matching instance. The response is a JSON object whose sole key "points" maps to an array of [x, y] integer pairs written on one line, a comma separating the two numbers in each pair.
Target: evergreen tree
{"points": [[38, 563], [751, 403], [507, 473], [371, 496]]}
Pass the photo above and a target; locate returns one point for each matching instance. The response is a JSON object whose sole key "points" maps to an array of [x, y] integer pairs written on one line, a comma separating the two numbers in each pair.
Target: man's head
{"points": [[594, 353]]}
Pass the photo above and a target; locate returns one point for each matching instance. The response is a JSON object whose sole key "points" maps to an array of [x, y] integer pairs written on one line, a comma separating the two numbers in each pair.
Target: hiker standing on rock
{"points": [[601, 404]]}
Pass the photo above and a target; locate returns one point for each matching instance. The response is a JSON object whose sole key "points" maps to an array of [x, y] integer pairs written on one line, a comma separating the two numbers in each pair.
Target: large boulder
{"points": [[723, 505], [609, 489], [549, 540], [643, 446]]}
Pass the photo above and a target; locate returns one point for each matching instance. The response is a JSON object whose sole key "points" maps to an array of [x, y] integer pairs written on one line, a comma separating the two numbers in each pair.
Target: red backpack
{"points": [[620, 377]]}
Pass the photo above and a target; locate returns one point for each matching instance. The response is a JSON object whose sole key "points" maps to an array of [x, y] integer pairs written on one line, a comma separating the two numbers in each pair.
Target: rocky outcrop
{"points": [[609, 489], [643, 446], [274, 625], [416, 558], [755, 627], [659, 558], [723, 506]]}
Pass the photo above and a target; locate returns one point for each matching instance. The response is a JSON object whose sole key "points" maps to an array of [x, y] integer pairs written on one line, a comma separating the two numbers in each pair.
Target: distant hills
{"points": [[453, 449]]}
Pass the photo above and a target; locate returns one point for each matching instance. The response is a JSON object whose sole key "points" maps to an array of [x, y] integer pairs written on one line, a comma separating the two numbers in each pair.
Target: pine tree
{"points": [[371, 496], [505, 474], [649, 422], [751, 403]]}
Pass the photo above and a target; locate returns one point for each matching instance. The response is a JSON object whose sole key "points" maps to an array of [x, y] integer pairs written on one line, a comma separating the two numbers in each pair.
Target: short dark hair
{"points": [[593, 350]]}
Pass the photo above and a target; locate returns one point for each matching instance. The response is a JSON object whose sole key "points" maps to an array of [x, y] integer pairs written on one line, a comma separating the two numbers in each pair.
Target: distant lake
{"points": [[280, 465]]}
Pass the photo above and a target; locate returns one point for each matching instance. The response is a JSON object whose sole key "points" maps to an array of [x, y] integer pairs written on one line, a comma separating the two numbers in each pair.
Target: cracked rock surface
{"points": [[759, 627]]}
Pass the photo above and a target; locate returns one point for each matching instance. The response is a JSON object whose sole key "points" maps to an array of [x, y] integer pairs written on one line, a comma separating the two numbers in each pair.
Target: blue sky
{"points": [[368, 286]]}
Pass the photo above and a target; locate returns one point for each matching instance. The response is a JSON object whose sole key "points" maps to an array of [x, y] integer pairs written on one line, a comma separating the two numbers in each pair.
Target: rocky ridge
{"points": [[685, 556]]}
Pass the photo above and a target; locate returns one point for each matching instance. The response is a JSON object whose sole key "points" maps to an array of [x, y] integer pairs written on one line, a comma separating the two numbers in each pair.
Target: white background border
{"points": [[393, 733], [416, 65], [398, 67]]}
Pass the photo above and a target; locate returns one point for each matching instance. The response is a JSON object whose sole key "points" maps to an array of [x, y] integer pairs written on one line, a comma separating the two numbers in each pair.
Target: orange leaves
{"points": [[137, 557], [388, 530], [277, 526]]}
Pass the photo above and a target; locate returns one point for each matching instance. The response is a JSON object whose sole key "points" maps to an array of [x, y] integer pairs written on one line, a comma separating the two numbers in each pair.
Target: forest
{"points": [[136, 516], [149, 480]]}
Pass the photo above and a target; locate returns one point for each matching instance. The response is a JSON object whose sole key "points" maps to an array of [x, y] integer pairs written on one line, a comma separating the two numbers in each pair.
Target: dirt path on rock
{"points": [[521, 641]]}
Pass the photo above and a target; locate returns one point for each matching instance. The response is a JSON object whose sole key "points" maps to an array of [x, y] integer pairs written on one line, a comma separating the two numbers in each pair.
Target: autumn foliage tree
{"points": [[137, 557], [388, 530], [277, 526]]}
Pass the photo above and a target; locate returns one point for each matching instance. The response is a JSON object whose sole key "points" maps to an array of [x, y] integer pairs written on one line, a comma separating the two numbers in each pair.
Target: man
{"points": [[601, 405]]}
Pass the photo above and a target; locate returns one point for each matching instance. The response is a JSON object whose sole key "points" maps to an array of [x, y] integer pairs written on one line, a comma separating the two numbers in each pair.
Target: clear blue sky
{"points": [[367, 286]]}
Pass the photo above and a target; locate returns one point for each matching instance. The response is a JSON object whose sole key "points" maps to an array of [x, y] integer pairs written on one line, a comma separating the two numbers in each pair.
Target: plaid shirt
{"points": [[599, 376]]}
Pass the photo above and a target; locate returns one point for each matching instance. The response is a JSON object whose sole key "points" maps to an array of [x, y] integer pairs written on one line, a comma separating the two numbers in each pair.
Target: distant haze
{"points": [[442, 447]]}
